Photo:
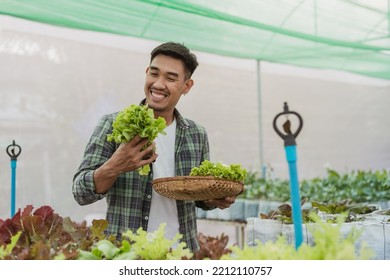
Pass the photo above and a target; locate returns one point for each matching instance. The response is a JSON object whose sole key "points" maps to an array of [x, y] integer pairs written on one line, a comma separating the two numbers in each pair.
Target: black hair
{"points": [[178, 51]]}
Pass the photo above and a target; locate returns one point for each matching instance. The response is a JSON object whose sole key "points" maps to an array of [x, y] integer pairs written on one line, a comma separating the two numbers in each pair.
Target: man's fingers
{"points": [[149, 151], [230, 199], [138, 141]]}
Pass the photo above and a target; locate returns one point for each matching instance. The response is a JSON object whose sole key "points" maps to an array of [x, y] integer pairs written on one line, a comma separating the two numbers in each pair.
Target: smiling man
{"points": [[108, 170]]}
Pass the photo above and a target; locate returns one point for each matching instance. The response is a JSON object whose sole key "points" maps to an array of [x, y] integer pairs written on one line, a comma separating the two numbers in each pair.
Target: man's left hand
{"points": [[221, 203]]}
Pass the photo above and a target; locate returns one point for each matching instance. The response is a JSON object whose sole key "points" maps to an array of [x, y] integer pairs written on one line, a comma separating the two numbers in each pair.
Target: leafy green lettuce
{"points": [[233, 172], [137, 120]]}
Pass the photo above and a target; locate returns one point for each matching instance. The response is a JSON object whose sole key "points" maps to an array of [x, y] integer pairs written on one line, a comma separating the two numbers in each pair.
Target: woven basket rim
{"points": [[178, 178]]}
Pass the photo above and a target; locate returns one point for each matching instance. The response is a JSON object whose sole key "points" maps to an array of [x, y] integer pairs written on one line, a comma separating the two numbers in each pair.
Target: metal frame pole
{"points": [[260, 110]]}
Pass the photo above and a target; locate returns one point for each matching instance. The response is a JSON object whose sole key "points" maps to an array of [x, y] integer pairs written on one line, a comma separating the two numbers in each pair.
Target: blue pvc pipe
{"points": [[13, 186], [291, 155]]}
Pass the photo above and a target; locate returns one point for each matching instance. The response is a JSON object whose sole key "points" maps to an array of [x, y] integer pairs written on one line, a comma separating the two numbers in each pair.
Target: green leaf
{"points": [[107, 248], [144, 170], [154, 245], [86, 255], [7, 249]]}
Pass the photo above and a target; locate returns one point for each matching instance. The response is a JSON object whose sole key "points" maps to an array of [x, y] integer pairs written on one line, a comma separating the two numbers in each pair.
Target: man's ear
{"points": [[188, 85], [147, 69]]}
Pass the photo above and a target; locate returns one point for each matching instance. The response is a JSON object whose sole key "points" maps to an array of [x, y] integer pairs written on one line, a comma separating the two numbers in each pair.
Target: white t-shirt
{"points": [[163, 209]]}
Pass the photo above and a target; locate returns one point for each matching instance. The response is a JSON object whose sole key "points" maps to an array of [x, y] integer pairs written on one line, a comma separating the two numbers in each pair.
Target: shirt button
{"points": [[146, 218], [149, 196]]}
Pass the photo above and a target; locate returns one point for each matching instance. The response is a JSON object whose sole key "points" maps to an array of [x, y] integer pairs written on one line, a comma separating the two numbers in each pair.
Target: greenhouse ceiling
{"points": [[346, 35]]}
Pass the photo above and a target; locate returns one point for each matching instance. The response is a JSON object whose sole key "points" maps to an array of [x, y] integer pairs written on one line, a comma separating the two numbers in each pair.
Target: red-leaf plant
{"points": [[212, 247], [46, 235]]}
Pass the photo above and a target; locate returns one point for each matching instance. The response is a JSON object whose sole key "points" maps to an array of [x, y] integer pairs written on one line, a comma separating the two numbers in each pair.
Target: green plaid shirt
{"points": [[129, 199]]}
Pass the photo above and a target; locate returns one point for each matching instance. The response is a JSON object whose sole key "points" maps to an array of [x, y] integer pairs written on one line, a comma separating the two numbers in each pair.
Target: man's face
{"points": [[164, 84]]}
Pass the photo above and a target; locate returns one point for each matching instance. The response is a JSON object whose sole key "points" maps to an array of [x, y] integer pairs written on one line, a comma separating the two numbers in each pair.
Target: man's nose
{"points": [[159, 83]]}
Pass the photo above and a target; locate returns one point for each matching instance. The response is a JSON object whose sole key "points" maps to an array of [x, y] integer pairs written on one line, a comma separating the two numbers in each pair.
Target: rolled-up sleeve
{"points": [[97, 151]]}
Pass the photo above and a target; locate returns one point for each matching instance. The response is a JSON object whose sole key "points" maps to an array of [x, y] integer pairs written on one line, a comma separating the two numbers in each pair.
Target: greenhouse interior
{"points": [[294, 93]]}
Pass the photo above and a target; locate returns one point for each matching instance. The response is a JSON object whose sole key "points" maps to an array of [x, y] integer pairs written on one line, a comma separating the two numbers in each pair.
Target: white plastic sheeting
{"points": [[56, 83]]}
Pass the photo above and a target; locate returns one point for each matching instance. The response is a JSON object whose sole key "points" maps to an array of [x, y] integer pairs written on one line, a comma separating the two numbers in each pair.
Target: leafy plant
{"points": [[139, 246], [106, 250], [357, 186], [329, 244], [42, 234], [234, 172], [332, 208], [137, 120], [212, 248], [353, 211], [154, 246], [345, 206], [283, 213]]}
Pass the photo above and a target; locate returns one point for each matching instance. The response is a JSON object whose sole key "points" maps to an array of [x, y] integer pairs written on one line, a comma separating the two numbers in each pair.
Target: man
{"points": [[108, 170]]}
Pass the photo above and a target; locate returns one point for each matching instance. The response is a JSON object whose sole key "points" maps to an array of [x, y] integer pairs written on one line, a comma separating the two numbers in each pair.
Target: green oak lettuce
{"points": [[137, 120], [233, 172]]}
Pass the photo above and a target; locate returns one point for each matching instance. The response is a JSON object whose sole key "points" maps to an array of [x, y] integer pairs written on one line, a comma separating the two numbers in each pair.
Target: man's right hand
{"points": [[128, 157]]}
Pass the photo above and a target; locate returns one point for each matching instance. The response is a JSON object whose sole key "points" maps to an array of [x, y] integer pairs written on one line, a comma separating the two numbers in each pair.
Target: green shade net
{"points": [[346, 35]]}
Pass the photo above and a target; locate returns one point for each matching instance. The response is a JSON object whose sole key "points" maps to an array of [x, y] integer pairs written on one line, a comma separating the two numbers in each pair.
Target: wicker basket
{"points": [[196, 187]]}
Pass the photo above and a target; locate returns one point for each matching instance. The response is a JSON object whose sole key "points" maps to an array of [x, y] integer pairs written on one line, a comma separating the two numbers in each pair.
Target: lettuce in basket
{"points": [[233, 172], [137, 120]]}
